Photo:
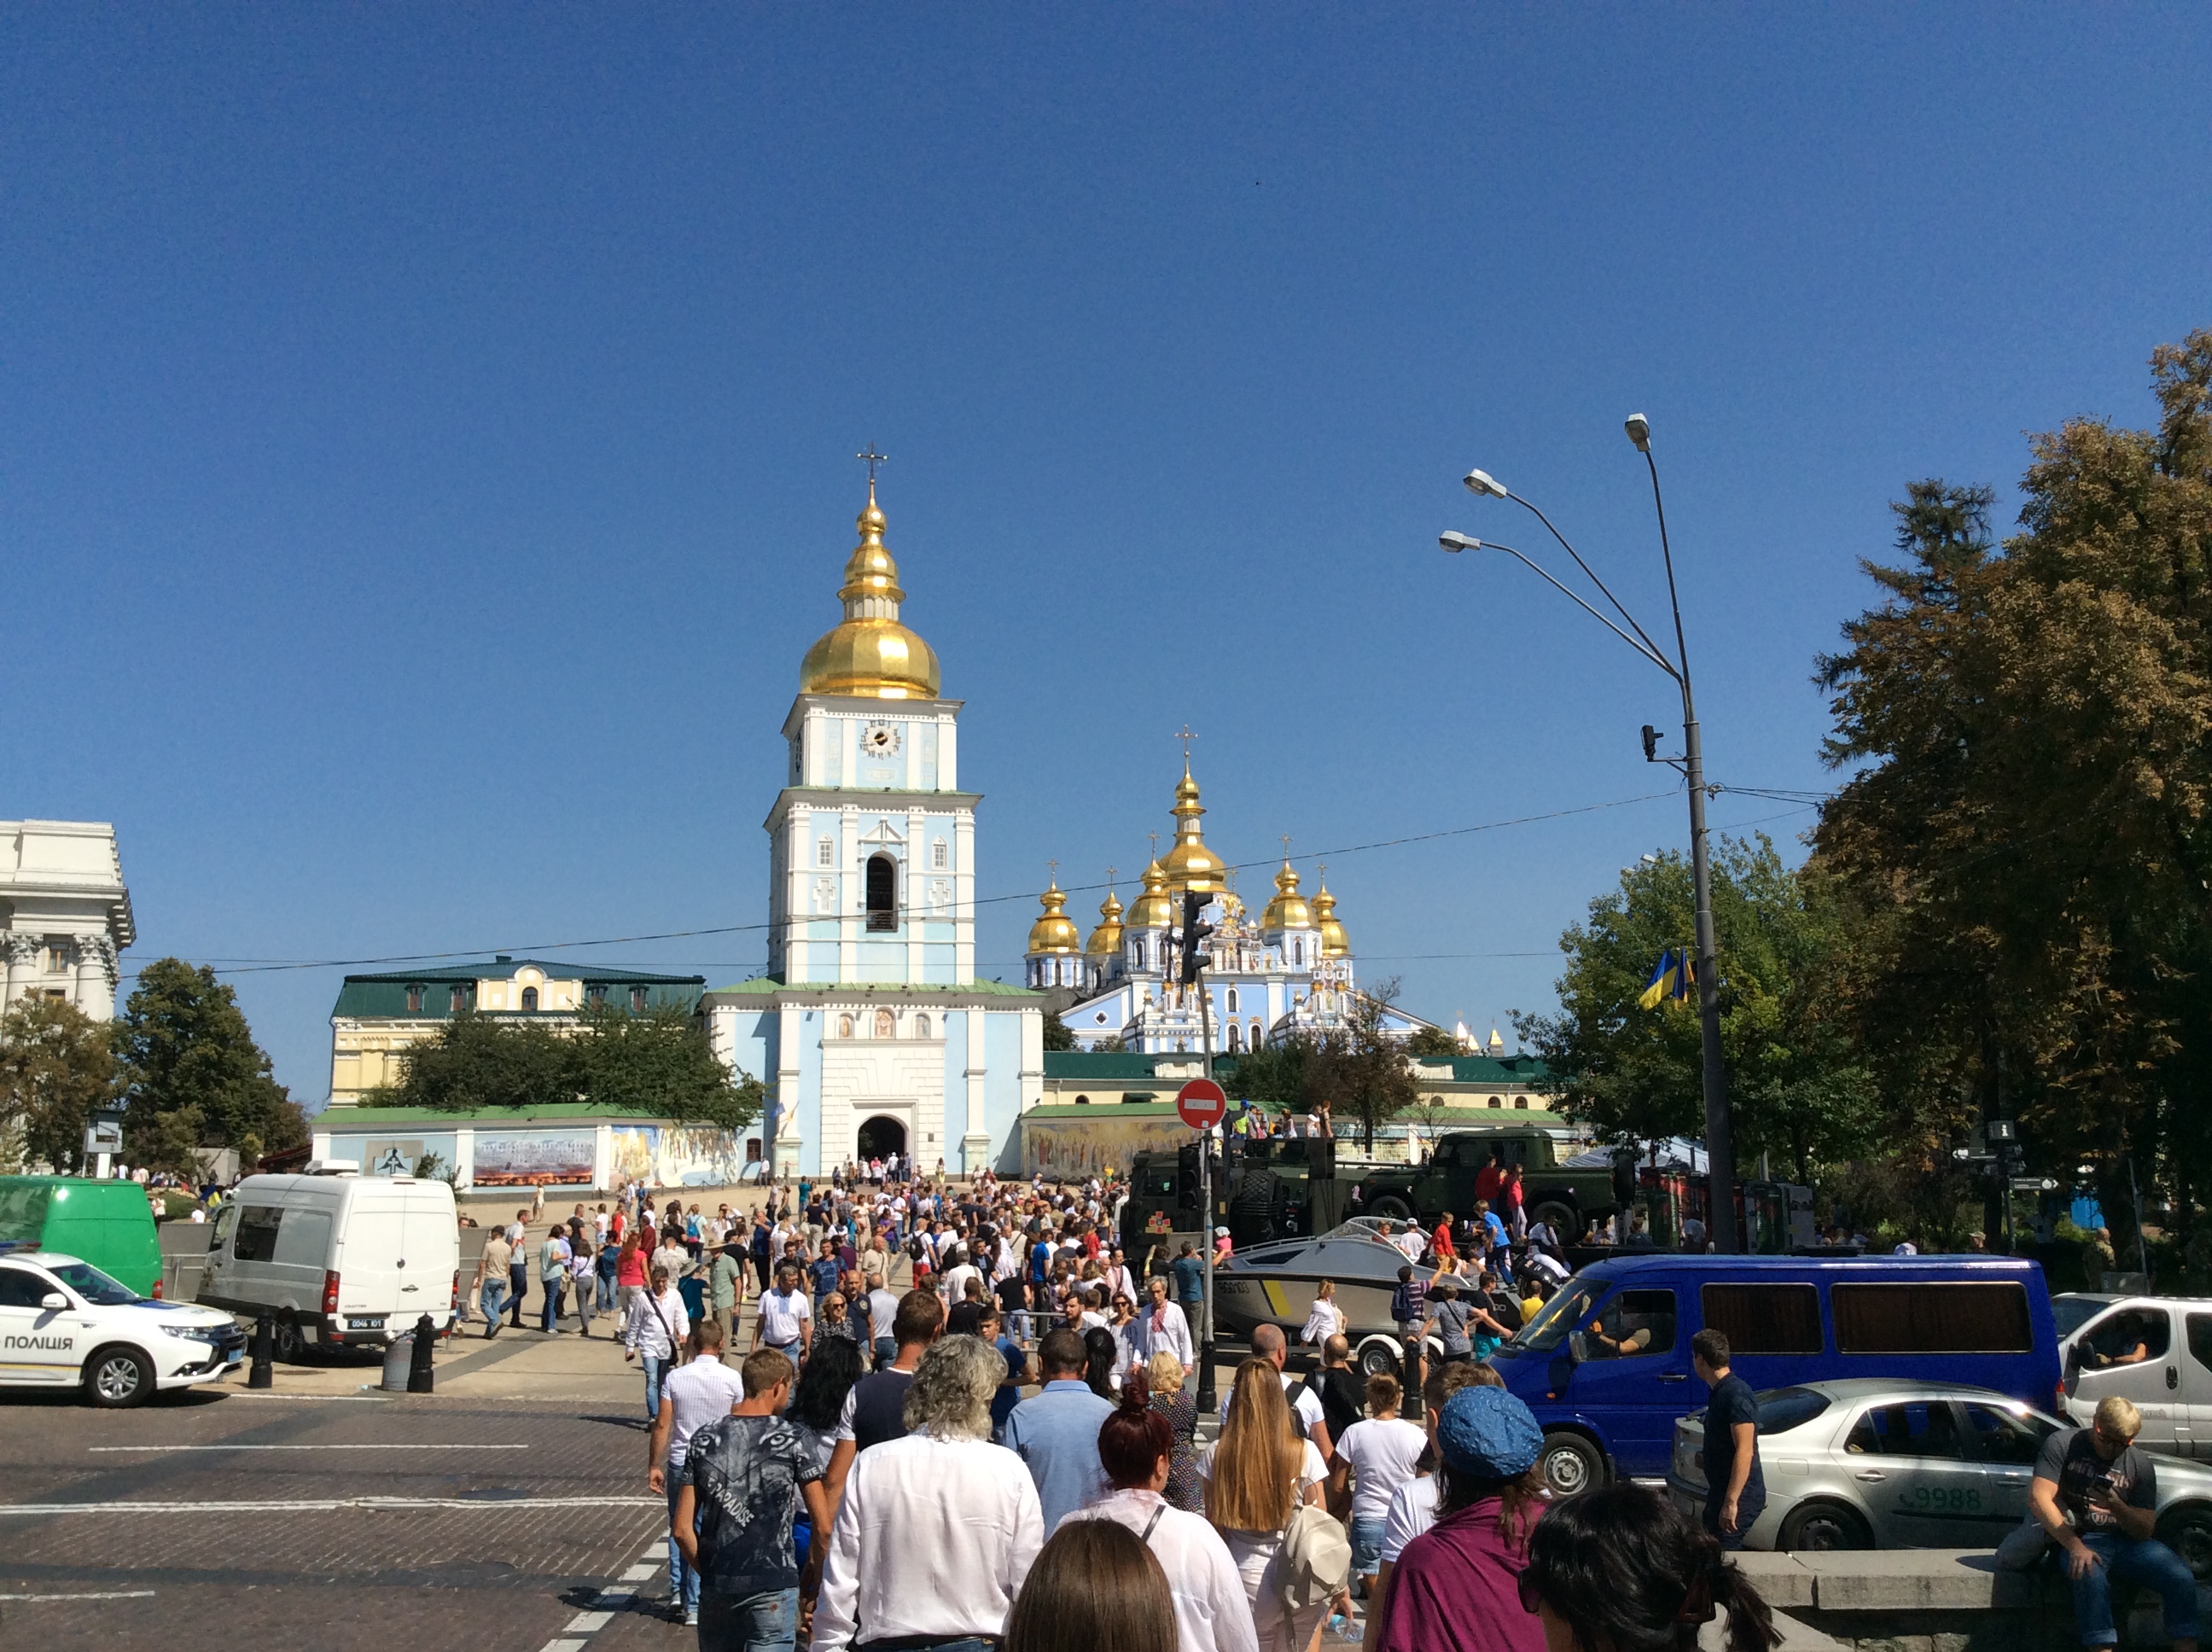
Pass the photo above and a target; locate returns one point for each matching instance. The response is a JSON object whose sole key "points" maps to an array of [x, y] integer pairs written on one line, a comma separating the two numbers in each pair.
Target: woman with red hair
{"points": [[1136, 1447]]}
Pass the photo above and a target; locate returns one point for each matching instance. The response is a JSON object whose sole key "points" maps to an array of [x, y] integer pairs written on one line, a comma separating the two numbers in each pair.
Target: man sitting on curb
{"points": [[2096, 1496]]}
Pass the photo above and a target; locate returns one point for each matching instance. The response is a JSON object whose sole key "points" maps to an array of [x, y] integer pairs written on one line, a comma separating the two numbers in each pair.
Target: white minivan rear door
{"points": [[433, 1254], [372, 1245]]}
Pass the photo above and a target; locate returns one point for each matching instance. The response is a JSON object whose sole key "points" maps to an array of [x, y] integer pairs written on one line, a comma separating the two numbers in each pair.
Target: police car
{"points": [[66, 1324]]}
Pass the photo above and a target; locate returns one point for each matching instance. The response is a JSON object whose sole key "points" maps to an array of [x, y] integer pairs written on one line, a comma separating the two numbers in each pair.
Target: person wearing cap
{"points": [[1458, 1584]]}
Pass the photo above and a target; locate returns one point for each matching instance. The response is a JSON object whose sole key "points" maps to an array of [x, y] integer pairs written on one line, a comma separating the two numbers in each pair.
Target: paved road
{"points": [[336, 1523]]}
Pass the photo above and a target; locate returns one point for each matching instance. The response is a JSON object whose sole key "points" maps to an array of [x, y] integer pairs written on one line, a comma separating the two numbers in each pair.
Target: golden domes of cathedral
{"points": [[870, 654], [1152, 910], [1055, 930], [1332, 943], [1288, 910]]}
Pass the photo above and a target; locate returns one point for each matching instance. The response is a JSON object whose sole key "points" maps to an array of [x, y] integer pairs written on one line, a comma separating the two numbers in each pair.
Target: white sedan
{"points": [[66, 1324]]}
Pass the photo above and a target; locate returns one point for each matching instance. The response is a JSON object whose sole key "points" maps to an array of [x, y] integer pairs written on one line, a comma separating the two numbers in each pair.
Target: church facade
{"points": [[868, 1027], [1286, 973]]}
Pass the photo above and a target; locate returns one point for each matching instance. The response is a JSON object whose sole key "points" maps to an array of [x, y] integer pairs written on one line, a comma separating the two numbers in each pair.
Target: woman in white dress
{"points": [[1326, 1319]]}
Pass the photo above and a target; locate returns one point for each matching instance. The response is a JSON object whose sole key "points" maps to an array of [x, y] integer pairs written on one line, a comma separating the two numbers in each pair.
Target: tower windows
{"points": [[1140, 956], [940, 857], [1232, 1000], [530, 997], [825, 852], [1235, 1042], [883, 892]]}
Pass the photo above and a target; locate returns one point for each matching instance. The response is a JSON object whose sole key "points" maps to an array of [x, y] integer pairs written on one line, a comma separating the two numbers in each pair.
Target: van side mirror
{"points": [[53, 1302]]}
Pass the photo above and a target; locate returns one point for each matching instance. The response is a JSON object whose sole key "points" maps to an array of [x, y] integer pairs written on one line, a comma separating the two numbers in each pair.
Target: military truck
{"points": [[1569, 1198], [1273, 1187]]}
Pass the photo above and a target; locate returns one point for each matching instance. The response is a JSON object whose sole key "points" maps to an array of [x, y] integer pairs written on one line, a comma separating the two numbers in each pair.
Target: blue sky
{"points": [[426, 433]]}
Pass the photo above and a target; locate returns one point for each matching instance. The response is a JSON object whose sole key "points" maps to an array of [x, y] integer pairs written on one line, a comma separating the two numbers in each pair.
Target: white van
{"points": [[2157, 1351], [341, 1261]]}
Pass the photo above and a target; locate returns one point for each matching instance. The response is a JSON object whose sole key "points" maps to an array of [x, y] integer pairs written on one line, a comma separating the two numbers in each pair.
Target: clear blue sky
{"points": [[426, 433]]}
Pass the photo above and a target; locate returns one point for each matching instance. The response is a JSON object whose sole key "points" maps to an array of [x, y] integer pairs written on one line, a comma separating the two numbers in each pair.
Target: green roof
{"points": [[340, 1115], [763, 985], [1104, 1067], [386, 994], [1495, 1069]]}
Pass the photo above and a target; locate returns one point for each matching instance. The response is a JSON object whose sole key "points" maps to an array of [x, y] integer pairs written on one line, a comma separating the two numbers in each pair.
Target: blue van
{"points": [[1606, 1364]]}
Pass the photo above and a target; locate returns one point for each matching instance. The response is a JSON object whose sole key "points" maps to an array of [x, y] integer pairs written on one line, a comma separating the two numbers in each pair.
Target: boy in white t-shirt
{"points": [[1381, 1450]]}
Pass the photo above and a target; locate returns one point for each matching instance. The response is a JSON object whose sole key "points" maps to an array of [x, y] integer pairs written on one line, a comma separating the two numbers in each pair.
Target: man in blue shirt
{"points": [[824, 1273], [1055, 1432], [1190, 1288]]}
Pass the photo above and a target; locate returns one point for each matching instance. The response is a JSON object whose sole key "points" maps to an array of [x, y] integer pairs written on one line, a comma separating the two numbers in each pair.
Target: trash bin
{"points": [[693, 1292], [398, 1359]]}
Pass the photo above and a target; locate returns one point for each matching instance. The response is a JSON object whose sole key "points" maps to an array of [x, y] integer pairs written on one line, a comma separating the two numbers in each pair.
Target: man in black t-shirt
{"points": [[2096, 1496], [1735, 1490]]}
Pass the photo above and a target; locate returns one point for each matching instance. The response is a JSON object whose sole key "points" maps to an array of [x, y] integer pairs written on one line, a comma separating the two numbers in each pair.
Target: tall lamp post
{"points": [[1720, 1157]]}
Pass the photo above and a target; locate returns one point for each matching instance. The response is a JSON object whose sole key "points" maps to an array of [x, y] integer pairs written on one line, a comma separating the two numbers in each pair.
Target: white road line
{"points": [[118, 1594], [320, 1506], [430, 1446], [588, 1623], [564, 1644], [639, 1573], [615, 1599]]}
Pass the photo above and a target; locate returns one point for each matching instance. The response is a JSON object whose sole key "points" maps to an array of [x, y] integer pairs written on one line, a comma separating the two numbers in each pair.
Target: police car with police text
{"points": [[66, 1324]]}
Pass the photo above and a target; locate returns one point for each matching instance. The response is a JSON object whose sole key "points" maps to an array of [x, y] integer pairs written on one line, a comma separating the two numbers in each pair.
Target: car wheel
{"points": [[1565, 1221], [1571, 1464], [291, 1347], [2188, 1532], [1392, 1207], [1823, 1526], [1377, 1358], [117, 1378]]}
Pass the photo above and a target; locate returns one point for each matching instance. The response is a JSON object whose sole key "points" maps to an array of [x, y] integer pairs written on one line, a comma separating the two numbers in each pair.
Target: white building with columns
{"points": [[64, 912], [869, 1027]]}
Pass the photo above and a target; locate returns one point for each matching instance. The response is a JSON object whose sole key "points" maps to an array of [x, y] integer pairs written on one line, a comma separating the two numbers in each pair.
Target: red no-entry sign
{"points": [[1201, 1103]]}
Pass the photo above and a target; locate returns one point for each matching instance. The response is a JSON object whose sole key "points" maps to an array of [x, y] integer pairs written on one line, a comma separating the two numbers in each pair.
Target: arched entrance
{"points": [[880, 1137]]}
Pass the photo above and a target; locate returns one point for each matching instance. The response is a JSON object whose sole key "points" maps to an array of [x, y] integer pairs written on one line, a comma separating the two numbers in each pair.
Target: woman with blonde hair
{"points": [[1257, 1473], [1169, 1399], [1326, 1319]]}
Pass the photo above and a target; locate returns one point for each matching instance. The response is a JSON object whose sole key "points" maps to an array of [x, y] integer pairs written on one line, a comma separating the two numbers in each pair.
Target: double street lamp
{"points": [[1720, 1158]]}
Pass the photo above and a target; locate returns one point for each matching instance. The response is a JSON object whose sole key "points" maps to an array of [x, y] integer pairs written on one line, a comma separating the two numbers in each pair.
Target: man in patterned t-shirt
{"points": [[748, 1474]]}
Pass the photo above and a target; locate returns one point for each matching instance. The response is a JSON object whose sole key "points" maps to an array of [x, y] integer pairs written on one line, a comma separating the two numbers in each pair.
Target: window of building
{"points": [[1140, 956], [883, 892], [886, 1024], [530, 997], [59, 995], [940, 857], [637, 1001], [596, 993], [1497, 1101], [1232, 1000], [460, 999], [1765, 1319], [1235, 1038], [414, 1000], [1938, 1319], [825, 852], [921, 1026], [1255, 1041], [58, 960]]}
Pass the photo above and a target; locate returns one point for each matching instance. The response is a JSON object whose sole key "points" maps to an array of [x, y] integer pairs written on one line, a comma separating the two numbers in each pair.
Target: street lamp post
{"points": [[1720, 1157]]}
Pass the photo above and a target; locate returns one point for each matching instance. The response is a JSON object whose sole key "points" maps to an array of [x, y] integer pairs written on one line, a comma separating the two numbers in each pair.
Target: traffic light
{"points": [[1650, 743], [1194, 933]]}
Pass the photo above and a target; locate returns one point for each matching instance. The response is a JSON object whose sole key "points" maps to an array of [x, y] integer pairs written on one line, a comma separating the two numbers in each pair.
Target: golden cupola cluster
{"points": [[1190, 864], [1106, 940], [1055, 930], [870, 654], [1288, 910]]}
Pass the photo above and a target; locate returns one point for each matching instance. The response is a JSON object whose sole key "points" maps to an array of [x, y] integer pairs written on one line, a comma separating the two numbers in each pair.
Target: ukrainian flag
{"points": [[1673, 977]]}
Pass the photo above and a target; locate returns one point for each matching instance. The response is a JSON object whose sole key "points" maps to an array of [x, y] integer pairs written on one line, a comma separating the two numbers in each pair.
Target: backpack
{"points": [[1315, 1560]]}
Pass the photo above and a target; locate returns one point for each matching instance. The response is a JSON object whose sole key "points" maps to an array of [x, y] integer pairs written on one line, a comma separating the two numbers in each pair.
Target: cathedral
{"points": [[869, 1027], [1287, 974]]}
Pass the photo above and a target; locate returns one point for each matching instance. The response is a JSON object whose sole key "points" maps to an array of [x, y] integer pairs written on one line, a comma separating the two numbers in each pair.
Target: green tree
{"points": [[660, 1062], [1433, 1042], [55, 1069], [2030, 731], [182, 1043], [1057, 1035], [1359, 1071], [1797, 1087], [171, 1141]]}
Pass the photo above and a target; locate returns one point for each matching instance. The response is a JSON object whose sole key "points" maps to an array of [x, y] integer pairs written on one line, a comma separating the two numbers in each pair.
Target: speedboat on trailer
{"points": [[1274, 1283]]}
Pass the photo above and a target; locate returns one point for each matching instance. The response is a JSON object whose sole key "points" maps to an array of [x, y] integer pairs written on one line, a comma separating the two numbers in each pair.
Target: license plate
{"points": [[365, 1325], [234, 1357]]}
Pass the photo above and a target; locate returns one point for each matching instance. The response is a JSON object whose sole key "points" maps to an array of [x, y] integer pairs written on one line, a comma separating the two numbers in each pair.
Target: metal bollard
{"points": [[264, 1374], [426, 1346], [1410, 1377]]}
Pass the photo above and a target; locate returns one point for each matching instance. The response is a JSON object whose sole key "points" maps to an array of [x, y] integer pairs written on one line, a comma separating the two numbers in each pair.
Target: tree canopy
{"points": [[660, 1061], [55, 1069], [182, 1044]]}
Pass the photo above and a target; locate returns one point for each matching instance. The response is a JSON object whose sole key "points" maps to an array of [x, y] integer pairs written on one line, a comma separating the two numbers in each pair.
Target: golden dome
{"points": [[1055, 930], [1190, 864], [870, 654], [1288, 910], [1106, 939], [1332, 943], [1153, 910]]}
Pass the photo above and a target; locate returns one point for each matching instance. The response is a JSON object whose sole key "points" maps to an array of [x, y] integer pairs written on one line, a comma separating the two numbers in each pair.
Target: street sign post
{"points": [[1201, 1104]]}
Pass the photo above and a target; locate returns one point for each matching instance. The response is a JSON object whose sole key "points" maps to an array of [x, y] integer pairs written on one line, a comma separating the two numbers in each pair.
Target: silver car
{"points": [[1868, 1464]]}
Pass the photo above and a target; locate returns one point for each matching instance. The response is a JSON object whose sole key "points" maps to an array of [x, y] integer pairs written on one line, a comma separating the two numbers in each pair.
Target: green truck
{"points": [[107, 1223], [1570, 1197]]}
